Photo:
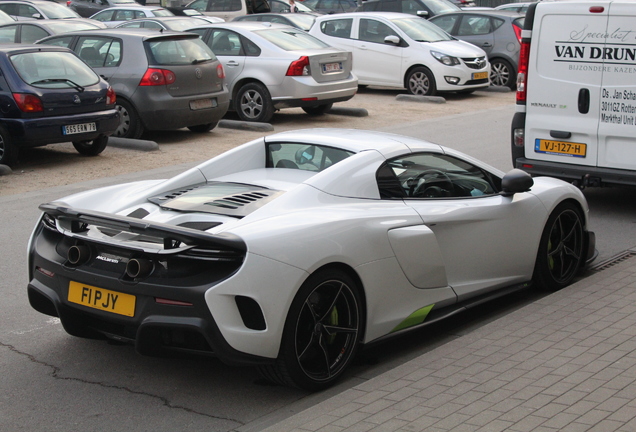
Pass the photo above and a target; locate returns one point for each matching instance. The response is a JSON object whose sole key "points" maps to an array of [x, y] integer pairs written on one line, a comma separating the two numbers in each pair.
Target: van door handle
{"points": [[486, 45], [584, 101], [560, 134]]}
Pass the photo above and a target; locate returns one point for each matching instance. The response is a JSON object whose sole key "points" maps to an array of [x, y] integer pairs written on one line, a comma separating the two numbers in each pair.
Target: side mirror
{"points": [[392, 39], [516, 181], [422, 13]]}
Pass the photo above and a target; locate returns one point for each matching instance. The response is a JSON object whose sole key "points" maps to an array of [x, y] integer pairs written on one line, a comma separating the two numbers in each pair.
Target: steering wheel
{"points": [[420, 186]]}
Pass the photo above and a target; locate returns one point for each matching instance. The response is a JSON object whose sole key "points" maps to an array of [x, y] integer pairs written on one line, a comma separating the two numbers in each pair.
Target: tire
{"points": [[129, 123], [322, 332], [561, 250], [8, 151], [502, 74], [254, 103], [420, 81], [318, 110], [203, 128], [91, 147]]}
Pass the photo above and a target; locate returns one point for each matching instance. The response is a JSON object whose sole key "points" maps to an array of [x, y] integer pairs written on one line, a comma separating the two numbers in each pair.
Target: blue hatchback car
{"points": [[49, 95]]}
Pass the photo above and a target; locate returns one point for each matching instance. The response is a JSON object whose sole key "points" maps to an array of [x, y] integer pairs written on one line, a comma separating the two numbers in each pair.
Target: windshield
{"points": [[56, 11], [421, 30], [441, 6], [291, 39], [53, 69]]}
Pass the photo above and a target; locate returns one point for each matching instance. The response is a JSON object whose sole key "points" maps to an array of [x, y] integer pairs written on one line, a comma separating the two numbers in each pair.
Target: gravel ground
{"points": [[60, 164]]}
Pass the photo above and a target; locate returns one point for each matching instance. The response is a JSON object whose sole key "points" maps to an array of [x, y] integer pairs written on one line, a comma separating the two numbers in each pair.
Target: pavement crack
{"points": [[55, 373]]}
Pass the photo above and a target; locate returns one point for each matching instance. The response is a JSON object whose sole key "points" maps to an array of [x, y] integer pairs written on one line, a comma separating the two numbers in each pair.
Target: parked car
{"points": [[421, 8], [5, 19], [496, 32], [164, 80], [48, 96], [116, 15], [302, 21], [229, 9], [515, 7], [179, 11], [36, 9], [331, 6], [273, 66], [402, 51], [31, 31], [176, 23], [291, 251], [86, 8]]}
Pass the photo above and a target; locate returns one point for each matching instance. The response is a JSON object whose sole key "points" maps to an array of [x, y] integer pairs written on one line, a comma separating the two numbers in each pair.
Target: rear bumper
{"points": [[49, 130], [161, 111], [305, 91]]}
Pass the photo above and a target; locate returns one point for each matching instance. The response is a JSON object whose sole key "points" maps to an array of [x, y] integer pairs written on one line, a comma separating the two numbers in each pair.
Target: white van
{"points": [[575, 116]]}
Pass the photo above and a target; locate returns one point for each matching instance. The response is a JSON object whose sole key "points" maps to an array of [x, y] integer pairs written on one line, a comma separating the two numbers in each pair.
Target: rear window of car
{"points": [[53, 69], [291, 40], [303, 157], [64, 26], [179, 51]]}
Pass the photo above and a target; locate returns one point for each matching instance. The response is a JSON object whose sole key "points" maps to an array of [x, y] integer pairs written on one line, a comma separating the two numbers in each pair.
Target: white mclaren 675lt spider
{"points": [[292, 251]]}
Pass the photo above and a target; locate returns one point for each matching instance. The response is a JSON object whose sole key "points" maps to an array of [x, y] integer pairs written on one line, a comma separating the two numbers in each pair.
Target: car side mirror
{"points": [[422, 13], [37, 16], [516, 181], [392, 39]]}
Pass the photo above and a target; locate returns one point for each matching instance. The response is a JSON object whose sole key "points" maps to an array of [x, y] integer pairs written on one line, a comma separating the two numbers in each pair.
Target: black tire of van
{"points": [[502, 74], [420, 81]]}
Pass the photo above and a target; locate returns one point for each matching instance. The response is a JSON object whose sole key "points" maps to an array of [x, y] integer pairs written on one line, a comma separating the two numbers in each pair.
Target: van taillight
{"points": [[522, 76], [155, 77], [28, 102], [299, 67], [517, 31], [111, 97], [220, 72]]}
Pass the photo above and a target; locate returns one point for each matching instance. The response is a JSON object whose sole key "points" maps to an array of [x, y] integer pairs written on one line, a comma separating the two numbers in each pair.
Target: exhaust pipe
{"points": [[78, 254], [139, 268]]}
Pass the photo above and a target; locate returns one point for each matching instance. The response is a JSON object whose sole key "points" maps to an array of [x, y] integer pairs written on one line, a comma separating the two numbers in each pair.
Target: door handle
{"points": [[584, 101], [560, 134], [487, 44], [232, 63]]}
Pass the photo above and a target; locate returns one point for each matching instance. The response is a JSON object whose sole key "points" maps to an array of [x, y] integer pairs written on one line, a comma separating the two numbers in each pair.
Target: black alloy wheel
{"points": [[322, 332], [561, 250]]}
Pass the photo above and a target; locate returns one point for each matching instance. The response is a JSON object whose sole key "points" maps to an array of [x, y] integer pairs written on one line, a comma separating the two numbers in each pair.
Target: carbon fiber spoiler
{"points": [[169, 233]]}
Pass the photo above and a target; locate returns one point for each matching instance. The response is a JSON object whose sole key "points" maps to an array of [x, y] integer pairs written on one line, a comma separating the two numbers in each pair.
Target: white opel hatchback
{"points": [[403, 51]]}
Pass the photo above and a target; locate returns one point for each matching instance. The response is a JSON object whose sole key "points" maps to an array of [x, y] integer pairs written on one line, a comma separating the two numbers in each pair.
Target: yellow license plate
{"points": [[560, 148], [480, 75], [102, 299]]}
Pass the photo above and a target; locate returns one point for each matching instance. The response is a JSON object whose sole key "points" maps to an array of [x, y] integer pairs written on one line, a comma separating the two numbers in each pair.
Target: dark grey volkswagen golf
{"points": [[48, 95], [163, 79]]}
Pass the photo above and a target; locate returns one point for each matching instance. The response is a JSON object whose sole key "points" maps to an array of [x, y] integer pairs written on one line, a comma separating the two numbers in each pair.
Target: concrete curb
{"points": [[418, 98], [351, 112], [496, 89], [133, 144], [5, 170], [247, 126]]}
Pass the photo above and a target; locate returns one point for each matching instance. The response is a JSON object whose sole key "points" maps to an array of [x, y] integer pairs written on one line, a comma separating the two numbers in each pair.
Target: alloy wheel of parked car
{"points": [[322, 332], [420, 81], [318, 110], [561, 248], [91, 147], [129, 123], [502, 74], [253, 103], [7, 150]]}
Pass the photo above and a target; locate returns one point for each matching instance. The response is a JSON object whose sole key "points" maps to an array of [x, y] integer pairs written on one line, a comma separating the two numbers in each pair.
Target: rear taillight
{"points": [[517, 31], [220, 72], [157, 77], [522, 76], [68, 3], [111, 97], [28, 102], [299, 67]]}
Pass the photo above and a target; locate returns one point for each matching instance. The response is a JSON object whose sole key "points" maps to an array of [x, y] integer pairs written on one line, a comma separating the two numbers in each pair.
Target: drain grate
{"points": [[612, 261]]}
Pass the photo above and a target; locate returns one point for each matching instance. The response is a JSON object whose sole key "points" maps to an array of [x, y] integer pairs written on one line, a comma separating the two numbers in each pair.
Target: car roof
{"points": [[244, 25], [134, 7], [492, 12], [144, 33], [12, 48], [374, 14]]}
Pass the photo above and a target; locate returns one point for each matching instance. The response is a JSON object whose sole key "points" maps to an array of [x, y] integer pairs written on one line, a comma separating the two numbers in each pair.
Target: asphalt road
{"points": [[50, 381]]}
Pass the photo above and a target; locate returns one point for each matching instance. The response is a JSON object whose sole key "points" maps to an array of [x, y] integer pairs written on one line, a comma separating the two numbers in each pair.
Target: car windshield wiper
{"points": [[197, 61], [78, 87]]}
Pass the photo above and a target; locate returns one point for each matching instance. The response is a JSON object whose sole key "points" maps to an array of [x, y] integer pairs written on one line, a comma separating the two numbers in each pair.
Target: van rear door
{"points": [[564, 82], [617, 122]]}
